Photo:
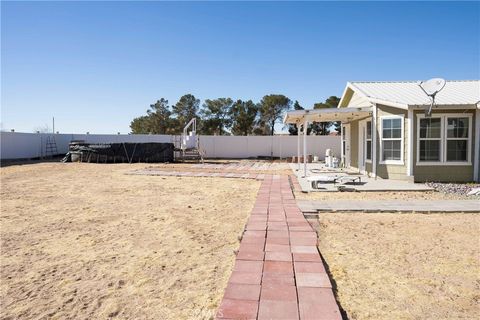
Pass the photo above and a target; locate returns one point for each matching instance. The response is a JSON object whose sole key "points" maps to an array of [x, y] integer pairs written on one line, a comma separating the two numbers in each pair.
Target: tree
{"points": [[140, 125], [272, 108], [243, 115], [322, 128], [216, 116], [157, 121], [292, 128], [160, 117], [184, 110], [43, 129]]}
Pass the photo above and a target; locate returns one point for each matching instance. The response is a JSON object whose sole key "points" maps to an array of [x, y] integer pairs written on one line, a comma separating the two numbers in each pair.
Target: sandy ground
{"points": [[86, 241], [397, 195], [403, 266]]}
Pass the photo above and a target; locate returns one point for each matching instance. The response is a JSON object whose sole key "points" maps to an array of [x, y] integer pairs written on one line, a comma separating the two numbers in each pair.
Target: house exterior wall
{"points": [[392, 171], [444, 172], [354, 144], [369, 167]]}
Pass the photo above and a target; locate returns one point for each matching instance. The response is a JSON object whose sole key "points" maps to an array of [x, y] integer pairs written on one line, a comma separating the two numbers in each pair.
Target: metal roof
{"points": [[326, 115], [455, 92]]}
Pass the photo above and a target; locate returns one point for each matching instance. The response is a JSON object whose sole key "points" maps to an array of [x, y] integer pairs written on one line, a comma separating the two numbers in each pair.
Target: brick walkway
{"points": [[278, 271]]}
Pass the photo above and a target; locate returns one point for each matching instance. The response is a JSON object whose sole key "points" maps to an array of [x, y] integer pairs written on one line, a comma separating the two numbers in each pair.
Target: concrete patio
{"points": [[367, 183], [423, 206]]}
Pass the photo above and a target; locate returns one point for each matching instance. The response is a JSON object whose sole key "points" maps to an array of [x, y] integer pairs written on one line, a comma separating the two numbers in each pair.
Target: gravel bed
{"points": [[453, 188]]}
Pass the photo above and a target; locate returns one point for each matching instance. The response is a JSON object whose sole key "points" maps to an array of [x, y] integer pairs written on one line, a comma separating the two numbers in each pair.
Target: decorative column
{"points": [[305, 130]]}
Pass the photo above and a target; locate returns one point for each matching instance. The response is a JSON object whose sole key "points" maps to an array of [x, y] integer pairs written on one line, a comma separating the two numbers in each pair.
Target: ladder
{"points": [[51, 146], [187, 146]]}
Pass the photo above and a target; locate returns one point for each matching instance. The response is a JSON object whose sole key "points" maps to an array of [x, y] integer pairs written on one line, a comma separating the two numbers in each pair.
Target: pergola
{"points": [[304, 117]]}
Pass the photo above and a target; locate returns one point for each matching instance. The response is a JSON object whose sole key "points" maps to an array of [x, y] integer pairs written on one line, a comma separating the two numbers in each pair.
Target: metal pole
{"points": [[305, 126], [298, 146], [53, 125]]}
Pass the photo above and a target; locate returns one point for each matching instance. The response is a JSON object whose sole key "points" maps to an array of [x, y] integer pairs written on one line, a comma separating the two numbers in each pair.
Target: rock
{"points": [[474, 192]]}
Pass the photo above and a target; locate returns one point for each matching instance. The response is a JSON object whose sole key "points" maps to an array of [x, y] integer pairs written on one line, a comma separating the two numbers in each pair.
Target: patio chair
{"points": [[316, 180], [349, 179]]}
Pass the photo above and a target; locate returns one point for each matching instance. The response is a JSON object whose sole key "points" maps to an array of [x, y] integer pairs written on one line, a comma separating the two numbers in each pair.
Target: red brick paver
{"points": [[278, 272]]}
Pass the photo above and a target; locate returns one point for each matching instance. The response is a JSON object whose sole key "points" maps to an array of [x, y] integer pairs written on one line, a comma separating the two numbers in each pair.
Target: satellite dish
{"points": [[431, 88]]}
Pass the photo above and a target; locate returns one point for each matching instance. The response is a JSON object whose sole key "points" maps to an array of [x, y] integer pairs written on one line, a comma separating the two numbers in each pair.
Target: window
{"points": [[444, 139], [457, 139], [392, 144], [368, 146], [430, 139]]}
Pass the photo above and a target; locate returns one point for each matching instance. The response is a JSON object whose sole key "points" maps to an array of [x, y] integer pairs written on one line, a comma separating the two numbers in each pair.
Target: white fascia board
{"points": [[354, 88], [343, 94], [357, 89], [389, 103], [446, 107]]}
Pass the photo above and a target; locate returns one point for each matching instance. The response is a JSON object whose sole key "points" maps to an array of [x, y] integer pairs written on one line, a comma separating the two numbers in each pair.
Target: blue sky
{"points": [[96, 65]]}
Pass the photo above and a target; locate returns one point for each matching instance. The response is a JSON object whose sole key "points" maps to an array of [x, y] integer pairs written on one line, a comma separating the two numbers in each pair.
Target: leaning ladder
{"points": [[51, 147]]}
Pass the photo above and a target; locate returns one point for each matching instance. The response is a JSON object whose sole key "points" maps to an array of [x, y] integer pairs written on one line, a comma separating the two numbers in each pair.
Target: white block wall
{"points": [[16, 145]]}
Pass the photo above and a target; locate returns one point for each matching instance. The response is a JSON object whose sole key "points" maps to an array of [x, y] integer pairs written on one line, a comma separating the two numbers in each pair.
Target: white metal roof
{"points": [[455, 92], [327, 115]]}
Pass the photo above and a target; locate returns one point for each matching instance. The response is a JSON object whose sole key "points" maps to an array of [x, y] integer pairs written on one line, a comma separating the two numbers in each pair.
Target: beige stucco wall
{"points": [[444, 173], [354, 144], [392, 171], [368, 167]]}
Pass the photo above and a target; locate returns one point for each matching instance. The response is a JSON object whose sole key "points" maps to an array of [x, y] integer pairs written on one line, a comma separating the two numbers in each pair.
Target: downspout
{"points": [[410, 121]]}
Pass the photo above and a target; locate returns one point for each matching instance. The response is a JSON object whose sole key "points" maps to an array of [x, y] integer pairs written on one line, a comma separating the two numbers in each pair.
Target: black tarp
{"points": [[121, 152]]}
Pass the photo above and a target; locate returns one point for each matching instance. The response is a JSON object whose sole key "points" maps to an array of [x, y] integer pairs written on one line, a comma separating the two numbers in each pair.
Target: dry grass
{"points": [[86, 241], [404, 266]]}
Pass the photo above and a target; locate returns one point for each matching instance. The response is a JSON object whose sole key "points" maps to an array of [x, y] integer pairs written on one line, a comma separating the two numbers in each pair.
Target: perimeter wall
{"points": [[17, 145]]}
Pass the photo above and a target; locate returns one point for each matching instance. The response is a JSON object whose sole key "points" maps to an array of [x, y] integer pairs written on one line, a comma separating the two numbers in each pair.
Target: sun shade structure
{"points": [[327, 115], [304, 117]]}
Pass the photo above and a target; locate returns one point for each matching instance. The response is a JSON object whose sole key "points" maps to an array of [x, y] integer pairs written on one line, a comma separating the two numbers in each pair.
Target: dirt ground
{"points": [[403, 266], [397, 195], [86, 241]]}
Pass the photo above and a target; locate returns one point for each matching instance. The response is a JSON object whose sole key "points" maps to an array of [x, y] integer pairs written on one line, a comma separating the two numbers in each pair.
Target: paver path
{"points": [[278, 271], [245, 165], [391, 205]]}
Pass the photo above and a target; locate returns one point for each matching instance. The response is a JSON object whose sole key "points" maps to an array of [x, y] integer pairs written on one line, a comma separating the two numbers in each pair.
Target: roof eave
{"points": [[388, 103]]}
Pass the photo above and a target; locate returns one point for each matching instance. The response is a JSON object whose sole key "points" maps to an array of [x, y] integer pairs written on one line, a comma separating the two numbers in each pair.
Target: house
{"points": [[386, 134]]}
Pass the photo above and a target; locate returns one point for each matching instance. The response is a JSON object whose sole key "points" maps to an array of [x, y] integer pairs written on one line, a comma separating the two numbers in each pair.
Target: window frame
{"points": [[443, 142], [367, 140], [428, 139], [401, 139]]}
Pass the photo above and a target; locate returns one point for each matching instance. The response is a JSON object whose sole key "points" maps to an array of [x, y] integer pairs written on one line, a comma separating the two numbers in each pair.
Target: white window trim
{"points": [[402, 143], [443, 140], [366, 140]]}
